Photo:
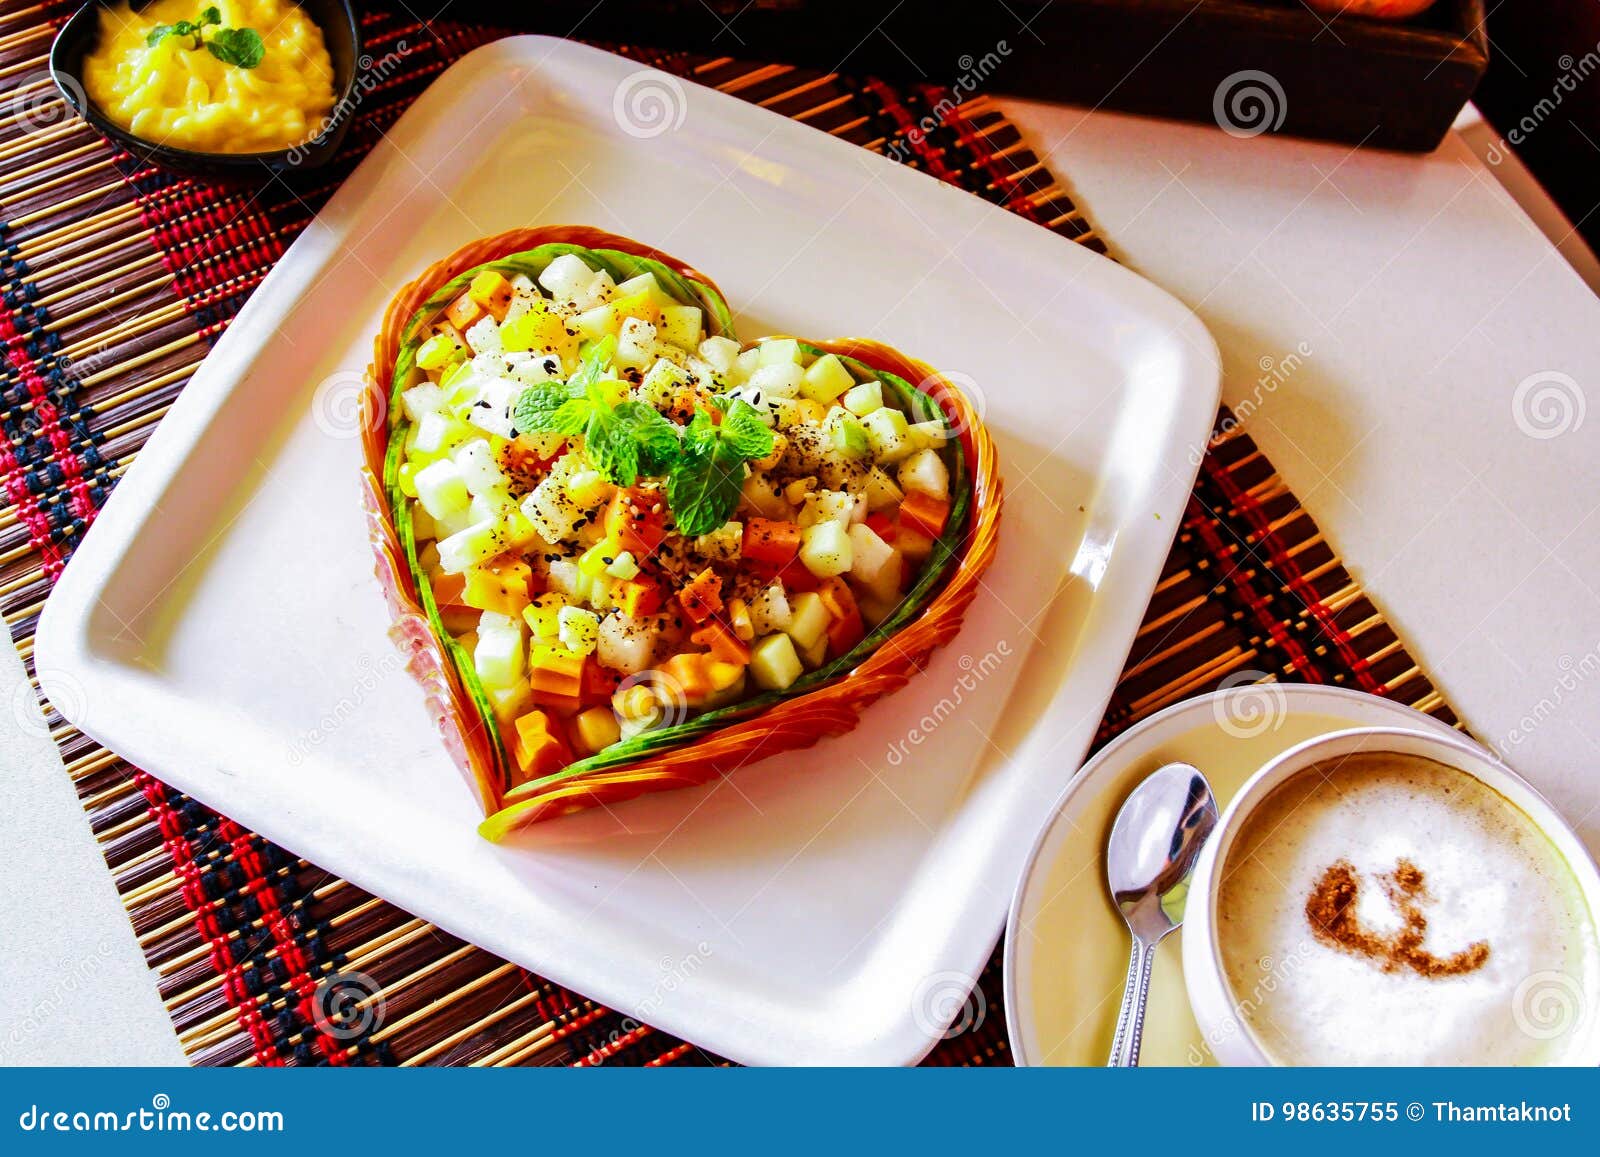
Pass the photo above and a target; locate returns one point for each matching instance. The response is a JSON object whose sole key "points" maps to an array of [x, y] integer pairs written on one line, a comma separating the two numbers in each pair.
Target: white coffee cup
{"points": [[1228, 1034]]}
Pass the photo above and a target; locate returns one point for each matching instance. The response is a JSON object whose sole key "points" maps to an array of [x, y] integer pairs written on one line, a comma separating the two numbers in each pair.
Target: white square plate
{"points": [[221, 626]]}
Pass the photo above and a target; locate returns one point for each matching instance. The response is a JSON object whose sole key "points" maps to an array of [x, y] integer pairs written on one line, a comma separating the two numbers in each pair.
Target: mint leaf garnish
{"points": [[703, 485], [241, 47]]}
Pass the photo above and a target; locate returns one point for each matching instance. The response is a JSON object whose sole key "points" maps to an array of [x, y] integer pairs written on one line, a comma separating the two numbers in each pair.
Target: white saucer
{"points": [[1066, 947]]}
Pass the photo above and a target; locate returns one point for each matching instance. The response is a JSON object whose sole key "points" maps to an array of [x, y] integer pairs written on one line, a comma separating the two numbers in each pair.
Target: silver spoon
{"points": [[1155, 841]]}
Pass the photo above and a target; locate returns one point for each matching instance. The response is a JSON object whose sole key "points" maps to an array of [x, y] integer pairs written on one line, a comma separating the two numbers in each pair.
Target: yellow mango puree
{"points": [[175, 94]]}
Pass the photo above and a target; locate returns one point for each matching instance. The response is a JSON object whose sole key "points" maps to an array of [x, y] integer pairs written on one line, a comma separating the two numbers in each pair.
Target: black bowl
{"points": [[341, 32]]}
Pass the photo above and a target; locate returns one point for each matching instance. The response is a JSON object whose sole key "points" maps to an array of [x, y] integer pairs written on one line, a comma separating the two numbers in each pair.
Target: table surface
{"points": [[1378, 316]]}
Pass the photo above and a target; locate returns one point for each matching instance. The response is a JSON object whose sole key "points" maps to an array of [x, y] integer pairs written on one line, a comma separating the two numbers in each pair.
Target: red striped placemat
{"points": [[115, 280]]}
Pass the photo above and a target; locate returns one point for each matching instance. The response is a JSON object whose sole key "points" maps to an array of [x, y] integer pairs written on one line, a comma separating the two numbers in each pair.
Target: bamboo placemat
{"points": [[114, 282]]}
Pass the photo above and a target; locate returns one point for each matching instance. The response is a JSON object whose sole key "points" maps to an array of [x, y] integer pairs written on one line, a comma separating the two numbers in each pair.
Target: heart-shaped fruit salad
{"points": [[627, 552]]}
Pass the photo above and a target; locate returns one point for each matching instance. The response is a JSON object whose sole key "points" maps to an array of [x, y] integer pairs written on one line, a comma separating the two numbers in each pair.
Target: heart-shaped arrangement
{"points": [[626, 553]]}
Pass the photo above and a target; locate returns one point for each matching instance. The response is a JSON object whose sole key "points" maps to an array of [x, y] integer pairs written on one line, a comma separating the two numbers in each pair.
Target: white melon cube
{"points": [[469, 547], [478, 468], [924, 472], [441, 489], [827, 506], [636, 343], [421, 400], [774, 665], [661, 382], [930, 435], [625, 644], [719, 353], [808, 620], [580, 629], [881, 491], [499, 657], [887, 433], [769, 610], [550, 509], [566, 277], [826, 380], [483, 336], [438, 432], [781, 351], [869, 553], [825, 549], [863, 399], [680, 326], [780, 380]]}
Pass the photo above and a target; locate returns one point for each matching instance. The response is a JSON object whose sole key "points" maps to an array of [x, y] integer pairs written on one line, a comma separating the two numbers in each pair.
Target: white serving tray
{"points": [[221, 626]]}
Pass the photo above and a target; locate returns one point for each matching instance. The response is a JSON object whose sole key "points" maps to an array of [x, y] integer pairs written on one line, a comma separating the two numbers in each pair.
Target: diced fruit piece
{"points": [[770, 541], [815, 655], [661, 382], [421, 400], [774, 664], [825, 549], [827, 506], [637, 597], [555, 671], [597, 729], [826, 380], [777, 380], [499, 585], [478, 468], [745, 364], [634, 521], [881, 490], [924, 513], [598, 291], [580, 629], [769, 610], [540, 330], [739, 620], [722, 543], [684, 678], [441, 489], [886, 430], [680, 325], [622, 566], [498, 656], [483, 339], [509, 702], [626, 644], [850, 437], [539, 747], [722, 642], [636, 343], [719, 353], [491, 291], [925, 473], [566, 277], [863, 399], [808, 619], [599, 556], [870, 553], [543, 617], [928, 435], [701, 597], [463, 312], [468, 547], [913, 543], [845, 628], [438, 432], [437, 352], [760, 495], [780, 351]]}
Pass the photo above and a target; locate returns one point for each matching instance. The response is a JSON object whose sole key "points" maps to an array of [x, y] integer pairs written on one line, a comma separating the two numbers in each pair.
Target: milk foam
{"points": [[1491, 875]]}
